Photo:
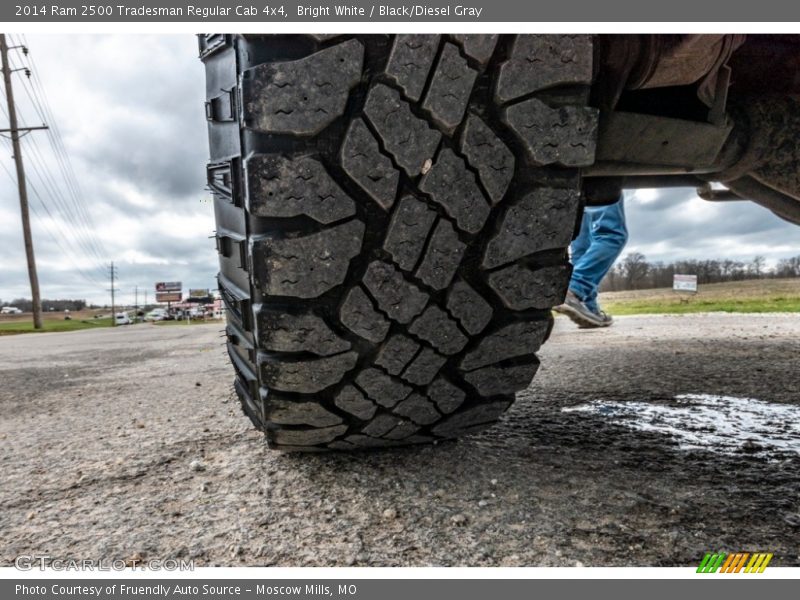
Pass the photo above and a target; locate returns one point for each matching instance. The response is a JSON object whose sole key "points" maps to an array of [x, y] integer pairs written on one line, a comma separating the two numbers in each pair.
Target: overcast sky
{"points": [[130, 111]]}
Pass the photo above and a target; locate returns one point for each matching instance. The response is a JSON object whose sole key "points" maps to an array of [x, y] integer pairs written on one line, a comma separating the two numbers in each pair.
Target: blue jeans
{"points": [[601, 240]]}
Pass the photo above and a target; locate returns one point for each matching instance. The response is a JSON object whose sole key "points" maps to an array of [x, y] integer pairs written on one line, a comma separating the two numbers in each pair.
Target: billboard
{"points": [[169, 286], [198, 293], [684, 283], [168, 296]]}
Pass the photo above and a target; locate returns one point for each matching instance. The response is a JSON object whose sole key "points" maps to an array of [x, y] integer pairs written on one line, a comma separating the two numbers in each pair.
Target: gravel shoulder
{"points": [[127, 442]]}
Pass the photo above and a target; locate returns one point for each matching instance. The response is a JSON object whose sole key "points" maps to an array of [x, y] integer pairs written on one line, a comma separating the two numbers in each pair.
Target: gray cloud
{"points": [[674, 224], [148, 119], [130, 111]]}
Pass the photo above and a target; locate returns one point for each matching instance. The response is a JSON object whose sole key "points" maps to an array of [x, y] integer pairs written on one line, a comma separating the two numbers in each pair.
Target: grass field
{"points": [[85, 319], [756, 296], [26, 326]]}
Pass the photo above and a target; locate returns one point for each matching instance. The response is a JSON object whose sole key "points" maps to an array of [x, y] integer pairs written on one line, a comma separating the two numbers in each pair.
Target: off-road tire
{"points": [[393, 216]]}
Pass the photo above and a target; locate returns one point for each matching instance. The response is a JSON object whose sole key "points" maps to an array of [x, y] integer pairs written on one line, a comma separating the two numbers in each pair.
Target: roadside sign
{"points": [[198, 293], [169, 286], [684, 283], [168, 296]]}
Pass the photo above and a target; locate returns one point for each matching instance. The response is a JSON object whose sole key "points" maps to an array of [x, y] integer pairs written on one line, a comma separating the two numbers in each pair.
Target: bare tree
{"points": [[634, 267], [788, 267], [757, 265]]}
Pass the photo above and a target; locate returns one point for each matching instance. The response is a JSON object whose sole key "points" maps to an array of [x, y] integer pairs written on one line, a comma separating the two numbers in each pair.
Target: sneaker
{"points": [[582, 315]]}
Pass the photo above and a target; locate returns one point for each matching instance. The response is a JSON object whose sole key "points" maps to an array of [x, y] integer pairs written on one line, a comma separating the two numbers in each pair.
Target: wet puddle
{"points": [[723, 424]]}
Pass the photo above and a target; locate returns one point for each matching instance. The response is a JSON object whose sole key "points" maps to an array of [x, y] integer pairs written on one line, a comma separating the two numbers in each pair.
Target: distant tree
{"points": [[26, 305], [788, 267], [609, 283], [756, 265], [634, 268], [23, 304], [727, 267], [738, 272], [634, 272]]}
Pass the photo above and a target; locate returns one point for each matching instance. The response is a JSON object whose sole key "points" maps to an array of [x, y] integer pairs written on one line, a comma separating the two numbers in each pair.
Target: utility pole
{"points": [[136, 305], [112, 270], [14, 130]]}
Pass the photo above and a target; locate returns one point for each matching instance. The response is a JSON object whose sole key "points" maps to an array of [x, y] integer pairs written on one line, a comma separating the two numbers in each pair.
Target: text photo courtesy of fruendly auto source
{"points": [[521, 300]]}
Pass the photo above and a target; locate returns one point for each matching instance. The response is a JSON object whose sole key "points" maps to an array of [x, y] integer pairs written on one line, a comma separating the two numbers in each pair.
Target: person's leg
{"points": [[608, 237], [581, 243]]}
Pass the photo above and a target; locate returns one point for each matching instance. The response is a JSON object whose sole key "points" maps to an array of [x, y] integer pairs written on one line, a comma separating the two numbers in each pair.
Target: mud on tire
{"points": [[393, 214]]}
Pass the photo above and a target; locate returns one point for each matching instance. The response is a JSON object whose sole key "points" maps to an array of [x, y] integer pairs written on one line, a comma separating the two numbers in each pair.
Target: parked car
{"points": [[122, 319], [10, 310], [157, 314]]}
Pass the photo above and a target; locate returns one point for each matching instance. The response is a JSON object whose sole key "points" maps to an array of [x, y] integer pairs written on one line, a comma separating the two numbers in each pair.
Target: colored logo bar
{"points": [[744, 562]]}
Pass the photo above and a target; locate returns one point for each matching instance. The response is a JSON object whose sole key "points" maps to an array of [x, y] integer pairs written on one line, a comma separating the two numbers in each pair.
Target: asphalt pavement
{"points": [[649, 443]]}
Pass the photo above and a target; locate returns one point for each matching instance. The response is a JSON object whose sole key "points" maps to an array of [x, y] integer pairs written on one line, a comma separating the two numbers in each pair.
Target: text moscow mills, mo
{"points": [[255, 11]]}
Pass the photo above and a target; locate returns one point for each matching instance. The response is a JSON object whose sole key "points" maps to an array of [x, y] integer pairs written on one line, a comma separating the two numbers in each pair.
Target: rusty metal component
{"points": [[750, 145], [774, 134], [768, 168], [706, 192], [658, 143], [637, 62], [673, 60], [651, 172]]}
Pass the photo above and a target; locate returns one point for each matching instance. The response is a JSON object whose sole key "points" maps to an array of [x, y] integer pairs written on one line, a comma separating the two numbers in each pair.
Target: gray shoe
{"points": [[581, 314]]}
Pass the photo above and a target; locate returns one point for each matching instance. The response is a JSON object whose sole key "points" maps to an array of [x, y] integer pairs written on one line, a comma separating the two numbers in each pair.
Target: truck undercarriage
{"points": [[690, 110]]}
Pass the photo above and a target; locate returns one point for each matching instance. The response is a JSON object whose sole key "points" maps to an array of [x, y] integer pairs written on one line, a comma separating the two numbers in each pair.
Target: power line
{"points": [[74, 195], [64, 235], [81, 236], [47, 181], [66, 205], [58, 144], [55, 133], [48, 230], [49, 186], [55, 177]]}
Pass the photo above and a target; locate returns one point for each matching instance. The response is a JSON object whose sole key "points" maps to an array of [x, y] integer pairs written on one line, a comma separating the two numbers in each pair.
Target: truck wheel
{"points": [[393, 215]]}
